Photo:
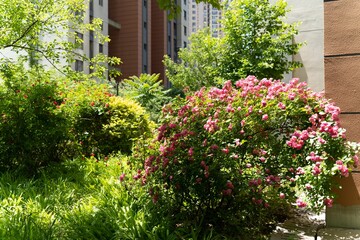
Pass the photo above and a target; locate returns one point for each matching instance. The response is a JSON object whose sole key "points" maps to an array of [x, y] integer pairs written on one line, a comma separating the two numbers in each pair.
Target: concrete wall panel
{"points": [[342, 31], [311, 31], [343, 217], [351, 122], [343, 82], [312, 57]]}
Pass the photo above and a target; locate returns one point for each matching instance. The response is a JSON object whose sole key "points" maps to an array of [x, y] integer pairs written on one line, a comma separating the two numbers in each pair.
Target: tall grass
{"points": [[75, 200], [80, 199]]}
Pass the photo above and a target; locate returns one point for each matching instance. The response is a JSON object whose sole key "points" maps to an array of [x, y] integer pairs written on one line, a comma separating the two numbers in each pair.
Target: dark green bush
{"points": [[32, 127]]}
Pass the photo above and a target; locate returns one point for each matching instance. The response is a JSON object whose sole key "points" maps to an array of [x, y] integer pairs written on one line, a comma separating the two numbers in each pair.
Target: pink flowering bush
{"points": [[232, 158]]}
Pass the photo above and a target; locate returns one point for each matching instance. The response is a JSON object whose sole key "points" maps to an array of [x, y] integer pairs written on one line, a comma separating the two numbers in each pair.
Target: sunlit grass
{"points": [[80, 199]]}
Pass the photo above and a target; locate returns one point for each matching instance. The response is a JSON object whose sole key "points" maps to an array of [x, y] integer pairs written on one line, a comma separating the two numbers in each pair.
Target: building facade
{"points": [[131, 42], [146, 35], [204, 15], [91, 45]]}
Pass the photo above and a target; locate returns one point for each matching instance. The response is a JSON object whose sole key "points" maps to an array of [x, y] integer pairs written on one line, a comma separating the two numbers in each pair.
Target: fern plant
{"points": [[148, 91]]}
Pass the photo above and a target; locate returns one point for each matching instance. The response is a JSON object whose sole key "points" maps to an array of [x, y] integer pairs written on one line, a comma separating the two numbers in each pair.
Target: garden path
{"points": [[308, 226]]}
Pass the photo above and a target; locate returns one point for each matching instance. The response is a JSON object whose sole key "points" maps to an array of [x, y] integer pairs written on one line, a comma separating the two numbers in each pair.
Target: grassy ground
{"points": [[80, 199]]}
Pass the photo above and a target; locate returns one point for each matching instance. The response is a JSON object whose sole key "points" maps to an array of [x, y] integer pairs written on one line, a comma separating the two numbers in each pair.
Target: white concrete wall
{"points": [[311, 31]]}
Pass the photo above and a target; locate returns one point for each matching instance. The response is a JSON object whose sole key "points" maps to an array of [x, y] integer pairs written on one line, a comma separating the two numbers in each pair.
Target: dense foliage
{"points": [[232, 158], [173, 6], [45, 119], [33, 131], [255, 40]]}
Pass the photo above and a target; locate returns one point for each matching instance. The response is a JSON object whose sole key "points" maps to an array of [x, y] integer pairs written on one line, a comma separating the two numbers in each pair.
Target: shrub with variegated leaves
{"points": [[232, 158]]}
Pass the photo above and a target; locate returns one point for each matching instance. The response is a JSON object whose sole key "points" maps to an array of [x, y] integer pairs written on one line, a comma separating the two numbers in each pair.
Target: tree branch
{"points": [[27, 30]]}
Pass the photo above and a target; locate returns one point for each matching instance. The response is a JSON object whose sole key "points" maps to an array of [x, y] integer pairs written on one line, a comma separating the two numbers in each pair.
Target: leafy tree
{"points": [[255, 41], [258, 41], [47, 32], [199, 65]]}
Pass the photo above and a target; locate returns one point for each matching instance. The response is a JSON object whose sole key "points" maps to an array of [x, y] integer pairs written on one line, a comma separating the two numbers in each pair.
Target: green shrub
{"points": [[128, 123], [32, 128], [101, 123]]}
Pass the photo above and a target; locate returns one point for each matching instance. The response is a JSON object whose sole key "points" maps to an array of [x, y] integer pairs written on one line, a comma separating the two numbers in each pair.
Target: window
{"points": [[145, 46], [185, 15], [185, 44], [101, 48], [145, 25], [79, 65], [184, 2], [91, 48], [101, 2], [79, 40], [185, 31], [91, 7]]}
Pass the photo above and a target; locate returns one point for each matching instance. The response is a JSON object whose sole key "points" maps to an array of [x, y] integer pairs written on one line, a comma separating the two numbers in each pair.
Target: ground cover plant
{"points": [[231, 158]]}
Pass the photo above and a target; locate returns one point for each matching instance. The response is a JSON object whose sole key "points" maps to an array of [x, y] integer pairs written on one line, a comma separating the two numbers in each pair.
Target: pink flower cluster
{"points": [[300, 203], [315, 158], [344, 171], [298, 139], [211, 125], [229, 189]]}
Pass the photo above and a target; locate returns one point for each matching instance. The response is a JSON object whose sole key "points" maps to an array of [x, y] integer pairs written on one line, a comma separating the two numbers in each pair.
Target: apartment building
{"points": [[91, 45], [146, 35], [205, 15]]}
